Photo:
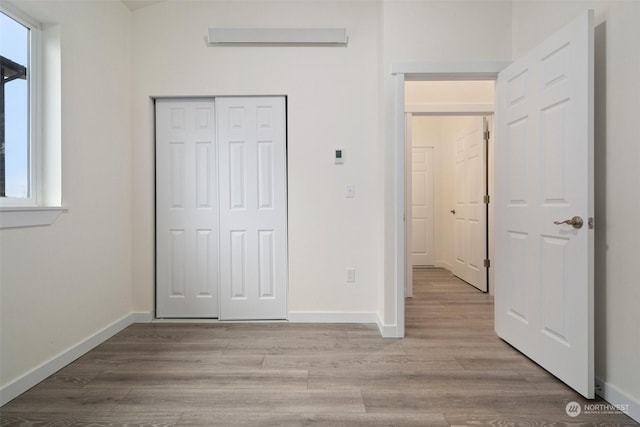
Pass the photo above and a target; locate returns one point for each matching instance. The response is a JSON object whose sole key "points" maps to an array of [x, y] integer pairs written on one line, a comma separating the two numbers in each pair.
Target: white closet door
{"points": [[253, 208], [186, 209]]}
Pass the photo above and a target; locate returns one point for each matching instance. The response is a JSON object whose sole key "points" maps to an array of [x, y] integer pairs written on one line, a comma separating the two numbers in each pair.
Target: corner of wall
{"points": [[23, 383], [619, 399], [388, 330]]}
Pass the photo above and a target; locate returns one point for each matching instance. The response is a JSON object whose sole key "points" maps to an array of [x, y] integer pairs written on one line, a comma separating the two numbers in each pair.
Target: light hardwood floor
{"points": [[451, 369]]}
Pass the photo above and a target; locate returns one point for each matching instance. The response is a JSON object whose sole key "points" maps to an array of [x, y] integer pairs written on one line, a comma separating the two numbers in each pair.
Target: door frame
{"points": [[402, 72]]}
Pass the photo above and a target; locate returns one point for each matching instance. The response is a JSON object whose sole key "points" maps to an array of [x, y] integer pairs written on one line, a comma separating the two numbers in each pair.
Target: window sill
{"points": [[29, 216]]}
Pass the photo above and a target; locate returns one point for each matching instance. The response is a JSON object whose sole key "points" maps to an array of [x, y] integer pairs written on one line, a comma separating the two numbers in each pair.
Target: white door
{"points": [[544, 175], [422, 205], [253, 208], [186, 209], [470, 211]]}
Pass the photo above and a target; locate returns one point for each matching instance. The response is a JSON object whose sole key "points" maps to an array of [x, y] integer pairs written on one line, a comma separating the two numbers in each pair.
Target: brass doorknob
{"points": [[575, 222], [453, 211]]}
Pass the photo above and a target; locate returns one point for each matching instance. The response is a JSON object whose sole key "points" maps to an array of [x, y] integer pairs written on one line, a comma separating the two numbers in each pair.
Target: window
{"points": [[18, 144], [30, 177]]}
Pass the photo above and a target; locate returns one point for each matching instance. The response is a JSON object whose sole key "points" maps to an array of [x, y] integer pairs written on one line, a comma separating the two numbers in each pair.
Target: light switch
{"points": [[351, 275], [339, 156]]}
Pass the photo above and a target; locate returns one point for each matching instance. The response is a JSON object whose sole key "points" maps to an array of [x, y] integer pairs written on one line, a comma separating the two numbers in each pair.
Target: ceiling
{"points": [[139, 4]]}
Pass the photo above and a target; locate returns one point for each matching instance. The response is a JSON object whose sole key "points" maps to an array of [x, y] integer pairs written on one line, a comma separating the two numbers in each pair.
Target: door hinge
{"points": [[486, 135], [486, 199], [597, 387], [487, 263]]}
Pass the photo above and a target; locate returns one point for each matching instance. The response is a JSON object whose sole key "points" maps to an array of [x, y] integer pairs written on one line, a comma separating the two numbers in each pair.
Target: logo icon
{"points": [[573, 409]]}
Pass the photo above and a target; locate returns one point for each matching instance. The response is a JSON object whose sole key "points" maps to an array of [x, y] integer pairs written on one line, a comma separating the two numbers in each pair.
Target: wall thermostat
{"points": [[339, 156]]}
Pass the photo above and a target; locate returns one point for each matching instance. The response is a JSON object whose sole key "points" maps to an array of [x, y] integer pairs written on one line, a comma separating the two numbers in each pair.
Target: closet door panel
{"points": [[186, 209], [252, 170]]}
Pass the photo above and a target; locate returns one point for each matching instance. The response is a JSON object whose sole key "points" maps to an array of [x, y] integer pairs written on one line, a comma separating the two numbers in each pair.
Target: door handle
{"points": [[575, 222], [453, 211]]}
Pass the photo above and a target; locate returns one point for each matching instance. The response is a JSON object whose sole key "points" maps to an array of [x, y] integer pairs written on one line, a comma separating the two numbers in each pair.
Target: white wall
{"points": [[332, 102], [436, 95], [62, 283], [617, 102]]}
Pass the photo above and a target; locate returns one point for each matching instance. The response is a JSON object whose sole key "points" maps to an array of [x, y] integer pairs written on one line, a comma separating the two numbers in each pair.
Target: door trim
{"points": [[419, 71]]}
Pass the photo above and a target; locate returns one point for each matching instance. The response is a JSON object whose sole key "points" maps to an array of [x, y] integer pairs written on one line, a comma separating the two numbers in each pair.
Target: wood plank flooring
{"points": [[451, 369]]}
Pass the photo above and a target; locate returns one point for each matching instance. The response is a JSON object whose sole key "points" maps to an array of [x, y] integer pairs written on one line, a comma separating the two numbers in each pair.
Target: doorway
{"points": [[453, 119], [544, 297]]}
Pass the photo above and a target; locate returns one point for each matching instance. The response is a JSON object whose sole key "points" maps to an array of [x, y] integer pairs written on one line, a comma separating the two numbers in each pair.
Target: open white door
{"points": [[544, 205], [470, 212]]}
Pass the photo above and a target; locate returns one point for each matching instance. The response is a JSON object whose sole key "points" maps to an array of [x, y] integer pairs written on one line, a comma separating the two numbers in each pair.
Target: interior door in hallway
{"points": [[253, 208], [470, 213], [544, 201], [186, 209], [422, 206]]}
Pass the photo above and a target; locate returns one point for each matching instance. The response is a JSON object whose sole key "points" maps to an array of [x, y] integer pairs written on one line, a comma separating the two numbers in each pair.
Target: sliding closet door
{"points": [[186, 209], [253, 203]]}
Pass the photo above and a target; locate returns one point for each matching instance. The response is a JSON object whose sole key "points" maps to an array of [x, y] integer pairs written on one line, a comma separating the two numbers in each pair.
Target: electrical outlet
{"points": [[350, 192], [351, 275]]}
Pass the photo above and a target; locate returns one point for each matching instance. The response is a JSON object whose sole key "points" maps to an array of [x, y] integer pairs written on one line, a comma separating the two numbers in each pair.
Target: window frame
{"points": [[34, 91], [43, 207]]}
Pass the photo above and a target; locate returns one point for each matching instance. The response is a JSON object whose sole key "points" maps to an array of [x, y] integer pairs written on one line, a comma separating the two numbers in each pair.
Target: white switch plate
{"points": [[351, 275], [351, 191]]}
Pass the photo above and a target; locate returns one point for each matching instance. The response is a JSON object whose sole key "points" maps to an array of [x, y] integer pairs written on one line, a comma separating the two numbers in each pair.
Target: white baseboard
{"points": [[142, 317], [387, 331], [331, 317], [615, 396], [15, 388], [444, 264]]}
